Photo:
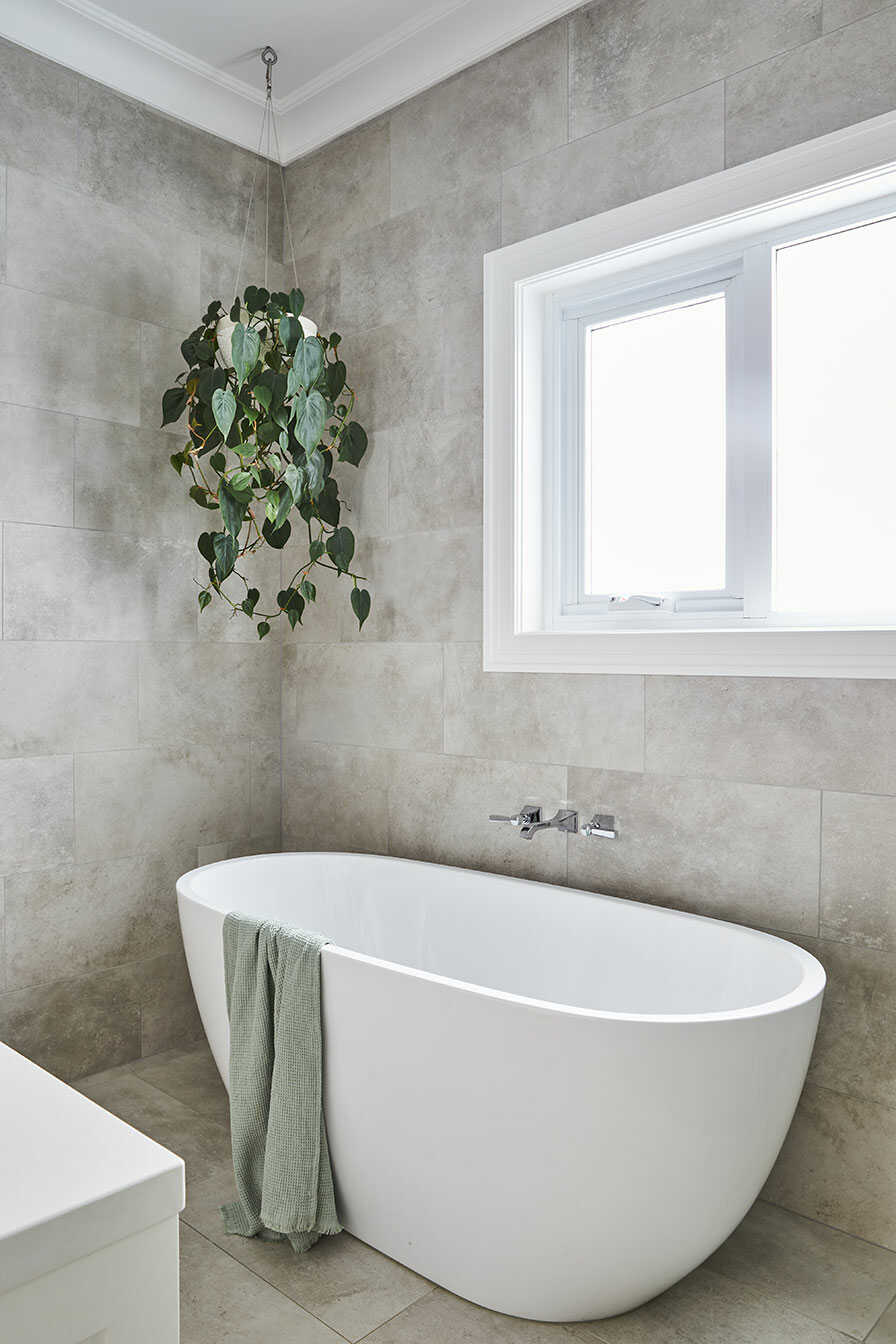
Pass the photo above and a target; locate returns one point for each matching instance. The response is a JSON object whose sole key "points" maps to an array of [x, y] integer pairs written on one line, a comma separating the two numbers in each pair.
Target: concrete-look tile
{"points": [[335, 798], [476, 123], [460, 339], [706, 1308], [734, 851], [265, 783], [168, 1013], [64, 583], [803, 1265], [340, 189], [439, 810], [838, 1165], [36, 453], [156, 271], [37, 817], [364, 490], [319, 276], [73, 1027], [442, 1318], [385, 366], [855, 1052], [147, 162], [40, 113], [63, 698], [142, 801], [2, 934], [858, 869], [435, 476], [124, 482], [885, 1330], [369, 695], [839, 79], [347, 1285], [160, 362], [519, 716], [838, 13], [650, 152], [222, 1302], [322, 620], [821, 733], [208, 692], [75, 919], [423, 586], [238, 849], [219, 623], [626, 57], [191, 1077], [393, 270], [220, 272], [88, 363]]}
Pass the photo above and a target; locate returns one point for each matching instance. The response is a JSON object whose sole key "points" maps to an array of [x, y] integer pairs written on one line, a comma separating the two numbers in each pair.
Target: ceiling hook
{"points": [[270, 58]]}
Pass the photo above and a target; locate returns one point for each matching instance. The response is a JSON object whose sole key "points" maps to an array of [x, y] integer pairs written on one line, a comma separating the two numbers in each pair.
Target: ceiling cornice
{"points": [[420, 53]]}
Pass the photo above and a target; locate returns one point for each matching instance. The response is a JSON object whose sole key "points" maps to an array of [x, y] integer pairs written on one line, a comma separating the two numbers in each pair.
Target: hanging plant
{"points": [[269, 414]]}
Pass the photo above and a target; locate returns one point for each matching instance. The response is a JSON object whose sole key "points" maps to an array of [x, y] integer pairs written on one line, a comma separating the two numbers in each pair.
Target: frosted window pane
{"points": [[655, 452], [835, 423]]}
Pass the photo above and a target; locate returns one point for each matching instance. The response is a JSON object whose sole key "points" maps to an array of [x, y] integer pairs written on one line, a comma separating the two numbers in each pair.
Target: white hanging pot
{"points": [[225, 329]]}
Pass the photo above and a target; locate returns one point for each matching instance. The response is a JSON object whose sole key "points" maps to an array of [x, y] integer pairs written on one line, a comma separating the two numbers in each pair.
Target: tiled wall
{"points": [[767, 801], [134, 737]]}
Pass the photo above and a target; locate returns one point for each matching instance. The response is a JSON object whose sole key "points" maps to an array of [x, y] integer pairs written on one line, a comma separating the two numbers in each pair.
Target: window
{"points": [[701, 450]]}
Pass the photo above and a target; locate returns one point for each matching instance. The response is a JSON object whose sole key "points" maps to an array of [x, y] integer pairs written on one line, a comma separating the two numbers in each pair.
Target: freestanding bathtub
{"points": [[552, 1103]]}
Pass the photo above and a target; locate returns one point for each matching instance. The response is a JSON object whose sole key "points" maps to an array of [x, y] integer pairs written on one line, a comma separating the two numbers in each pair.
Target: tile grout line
{"points": [[890, 1304]]}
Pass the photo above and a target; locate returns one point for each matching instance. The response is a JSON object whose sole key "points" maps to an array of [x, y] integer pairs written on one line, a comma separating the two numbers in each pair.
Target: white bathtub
{"points": [[552, 1103]]}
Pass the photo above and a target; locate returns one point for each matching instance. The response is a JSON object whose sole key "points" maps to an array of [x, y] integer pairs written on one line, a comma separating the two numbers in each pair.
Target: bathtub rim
{"points": [[810, 987]]}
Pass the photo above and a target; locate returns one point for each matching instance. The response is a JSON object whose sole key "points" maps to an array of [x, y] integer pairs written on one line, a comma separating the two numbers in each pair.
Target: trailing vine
{"points": [[269, 414]]}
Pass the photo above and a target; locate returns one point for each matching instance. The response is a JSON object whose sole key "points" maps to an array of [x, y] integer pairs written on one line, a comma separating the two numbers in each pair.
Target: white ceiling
{"points": [[340, 61]]}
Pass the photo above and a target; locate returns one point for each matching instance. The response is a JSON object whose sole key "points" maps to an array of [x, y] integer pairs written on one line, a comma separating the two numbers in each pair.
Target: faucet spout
{"points": [[563, 820]]}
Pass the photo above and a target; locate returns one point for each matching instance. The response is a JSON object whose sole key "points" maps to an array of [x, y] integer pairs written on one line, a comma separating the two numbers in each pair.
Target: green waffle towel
{"points": [[280, 1156]]}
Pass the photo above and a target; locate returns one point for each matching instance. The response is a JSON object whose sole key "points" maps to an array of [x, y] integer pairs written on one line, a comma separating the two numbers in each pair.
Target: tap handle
{"points": [[601, 827], [493, 816], [525, 816]]}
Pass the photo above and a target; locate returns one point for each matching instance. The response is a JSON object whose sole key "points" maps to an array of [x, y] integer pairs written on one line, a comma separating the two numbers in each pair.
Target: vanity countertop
{"points": [[73, 1178]]}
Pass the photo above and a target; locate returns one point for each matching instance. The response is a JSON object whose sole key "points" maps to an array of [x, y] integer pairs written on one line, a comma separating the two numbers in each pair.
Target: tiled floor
{"points": [[780, 1279]]}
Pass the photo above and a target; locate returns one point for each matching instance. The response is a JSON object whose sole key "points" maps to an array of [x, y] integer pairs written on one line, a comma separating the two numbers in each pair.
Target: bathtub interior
{"points": [[529, 939]]}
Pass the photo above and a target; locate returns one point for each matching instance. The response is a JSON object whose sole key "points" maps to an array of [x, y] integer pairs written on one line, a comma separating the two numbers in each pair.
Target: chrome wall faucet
{"points": [[528, 821]]}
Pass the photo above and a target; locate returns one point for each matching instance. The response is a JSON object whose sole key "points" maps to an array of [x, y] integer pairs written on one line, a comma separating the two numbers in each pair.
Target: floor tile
{"points": [[442, 1318], [813, 1269], [191, 1077], [885, 1330], [223, 1303]]}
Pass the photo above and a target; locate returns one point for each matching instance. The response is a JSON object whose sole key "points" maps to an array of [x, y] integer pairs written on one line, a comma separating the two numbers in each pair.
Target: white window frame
{"points": [[720, 229]]}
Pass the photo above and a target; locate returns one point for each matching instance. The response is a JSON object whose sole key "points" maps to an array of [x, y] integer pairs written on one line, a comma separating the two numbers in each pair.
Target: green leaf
{"points": [[199, 494], [262, 395], [177, 462], [294, 480], [353, 444], [263, 629], [311, 416], [173, 403], [315, 461], [240, 485], [309, 359], [360, 600], [327, 503], [276, 537], [225, 553], [278, 505], [246, 347], [296, 302], [233, 510], [217, 462], [335, 378], [290, 331], [223, 409], [341, 548], [315, 550], [335, 338], [248, 605], [308, 590], [293, 603], [204, 599], [206, 547]]}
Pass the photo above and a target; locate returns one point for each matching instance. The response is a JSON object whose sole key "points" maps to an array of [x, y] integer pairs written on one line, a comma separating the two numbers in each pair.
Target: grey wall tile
{"points": [[424, 586], [221, 272], [734, 851], [368, 695], [439, 808], [581, 720], [168, 1013], [265, 782], [838, 13], [340, 189], [36, 820], [156, 271], [858, 869], [477, 123], [856, 1048], [160, 362], [391, 271], [837, 1165], [64, 583], [36, 449], [74, 1026], [650, 152], [322, 622], [365, 490], [319, 276], [384, 363], [124, 482], [3, 177], [152, 798], [88, 362], [335, 798], [626, 57], [75, 919], [40, 105], [841, 78], [819, 733], [218, 622], [436, 478], [63, 698], [209, 692]]}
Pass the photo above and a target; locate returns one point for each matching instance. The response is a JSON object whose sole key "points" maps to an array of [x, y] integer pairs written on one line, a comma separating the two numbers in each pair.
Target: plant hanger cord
{"points": [[268, 141]]}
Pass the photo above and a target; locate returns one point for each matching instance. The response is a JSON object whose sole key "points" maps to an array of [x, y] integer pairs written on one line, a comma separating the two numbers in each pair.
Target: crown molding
{"points": [[418, 54]]}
